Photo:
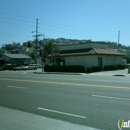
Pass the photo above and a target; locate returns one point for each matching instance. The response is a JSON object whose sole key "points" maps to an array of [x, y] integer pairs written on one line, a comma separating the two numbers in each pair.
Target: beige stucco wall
{"points": [[92, 60]]}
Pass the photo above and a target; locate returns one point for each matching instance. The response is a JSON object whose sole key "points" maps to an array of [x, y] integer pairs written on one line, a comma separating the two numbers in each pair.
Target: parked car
{"points": [[8, 67], [18, 68], [24, 67], [39, 66], [33, 66]]}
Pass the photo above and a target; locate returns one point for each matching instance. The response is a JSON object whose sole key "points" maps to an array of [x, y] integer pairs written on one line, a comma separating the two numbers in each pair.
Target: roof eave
{"points": [[84, 54]]}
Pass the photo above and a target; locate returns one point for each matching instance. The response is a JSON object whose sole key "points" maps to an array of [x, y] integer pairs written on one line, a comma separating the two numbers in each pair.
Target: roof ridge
{"points": [[94, 50]]}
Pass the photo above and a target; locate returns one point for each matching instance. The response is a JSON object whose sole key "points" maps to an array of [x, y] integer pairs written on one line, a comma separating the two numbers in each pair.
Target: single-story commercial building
{"points": [[87, 55], [16, 59]]}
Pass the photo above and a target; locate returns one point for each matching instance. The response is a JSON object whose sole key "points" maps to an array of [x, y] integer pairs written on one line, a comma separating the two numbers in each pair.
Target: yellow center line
{"points": [[64, 83]]}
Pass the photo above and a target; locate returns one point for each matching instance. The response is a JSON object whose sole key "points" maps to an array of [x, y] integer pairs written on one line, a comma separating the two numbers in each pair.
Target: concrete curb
{"points": [[96, 74], [118, 75], [58, 73], [105, 73]]}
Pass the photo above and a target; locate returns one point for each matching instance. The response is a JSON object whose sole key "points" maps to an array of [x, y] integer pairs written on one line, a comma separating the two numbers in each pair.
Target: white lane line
{"points": [[16, 87], [117, 98], [64, 113]]}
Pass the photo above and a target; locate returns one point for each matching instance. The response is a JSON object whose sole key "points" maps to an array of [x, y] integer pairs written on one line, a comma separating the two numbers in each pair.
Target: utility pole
{"points": [[118, 40], [36, 39]]}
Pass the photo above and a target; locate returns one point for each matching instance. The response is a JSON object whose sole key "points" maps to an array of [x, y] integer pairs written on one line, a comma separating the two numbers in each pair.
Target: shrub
{"points": [[89, 70], [106, 67], [94, 69], [114, 67], [121, 67], [73, 68]]}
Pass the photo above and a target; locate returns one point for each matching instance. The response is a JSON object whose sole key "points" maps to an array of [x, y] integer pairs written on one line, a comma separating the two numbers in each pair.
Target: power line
{"points": [[72, 27], [125, 33], [74, 30], [10, 35], [62, 31], [17, 15], [57, 25], [17, 19], [16, 24], [125, 37]]}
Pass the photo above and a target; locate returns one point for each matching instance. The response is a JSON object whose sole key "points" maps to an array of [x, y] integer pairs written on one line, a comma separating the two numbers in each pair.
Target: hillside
{"points": [[23, 48]]}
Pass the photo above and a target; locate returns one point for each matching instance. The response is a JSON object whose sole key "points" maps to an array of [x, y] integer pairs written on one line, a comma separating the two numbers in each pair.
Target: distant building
{"points": [[17, 59], [87, 55], [15, 51]]}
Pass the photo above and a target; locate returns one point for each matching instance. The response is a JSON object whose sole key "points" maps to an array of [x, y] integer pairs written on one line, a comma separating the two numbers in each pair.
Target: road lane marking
{"points": [[16, 87], [117, 98], [59, 112], [115, 81], [65, 83], [96, 80]]}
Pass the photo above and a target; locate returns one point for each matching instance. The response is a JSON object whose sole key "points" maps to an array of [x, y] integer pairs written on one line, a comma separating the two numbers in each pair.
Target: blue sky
{"points": [[98, 20]]}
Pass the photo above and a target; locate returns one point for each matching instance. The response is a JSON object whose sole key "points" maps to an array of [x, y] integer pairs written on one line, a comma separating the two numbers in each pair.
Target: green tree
{"points": [[48, 48], [127, 58], [32, 55]]}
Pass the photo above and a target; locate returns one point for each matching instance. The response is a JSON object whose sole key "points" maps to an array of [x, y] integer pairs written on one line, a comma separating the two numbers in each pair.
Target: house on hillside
{"points": [[86, 54], [16, 59]]}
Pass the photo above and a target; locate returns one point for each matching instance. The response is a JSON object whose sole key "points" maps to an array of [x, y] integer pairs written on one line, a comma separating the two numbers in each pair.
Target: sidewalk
{"points": [[65, 73], [17, 120], [39, 71], [113, 73], [105, 73]]}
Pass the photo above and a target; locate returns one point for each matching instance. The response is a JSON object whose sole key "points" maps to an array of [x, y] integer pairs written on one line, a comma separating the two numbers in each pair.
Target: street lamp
{"points": [[40, 34]]}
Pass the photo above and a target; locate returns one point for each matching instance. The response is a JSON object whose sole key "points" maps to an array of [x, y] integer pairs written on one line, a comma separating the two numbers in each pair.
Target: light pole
{"points": [[39, 34], [118, 40]]}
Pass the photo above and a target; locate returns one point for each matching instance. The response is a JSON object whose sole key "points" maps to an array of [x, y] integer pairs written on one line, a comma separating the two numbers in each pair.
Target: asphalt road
{"points": [[97, 101]]}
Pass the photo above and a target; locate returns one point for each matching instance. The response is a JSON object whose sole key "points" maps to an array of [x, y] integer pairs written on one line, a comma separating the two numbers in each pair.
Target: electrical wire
{"points": [[57, 27], [16, 24], [16, 15], [18, 19]]}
